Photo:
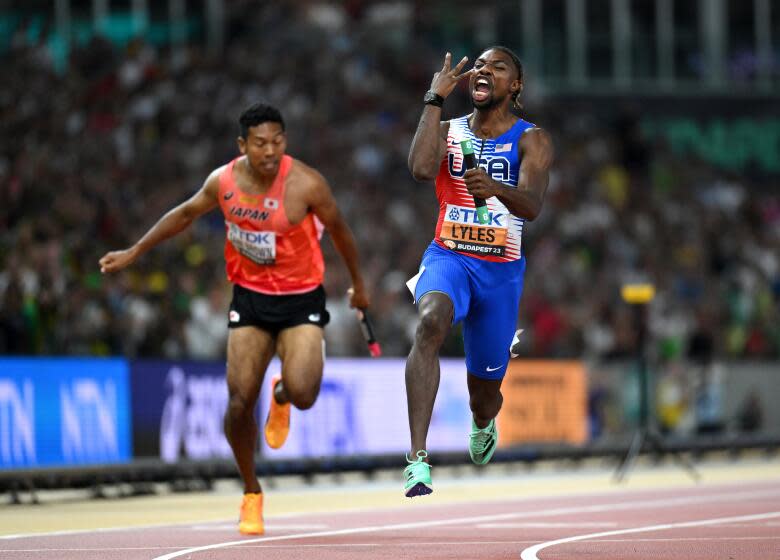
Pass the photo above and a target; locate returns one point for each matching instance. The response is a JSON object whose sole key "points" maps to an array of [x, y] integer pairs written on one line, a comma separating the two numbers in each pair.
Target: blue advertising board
{"points": [[63, 411], [178, 410], [361, 409], [179, 407]]}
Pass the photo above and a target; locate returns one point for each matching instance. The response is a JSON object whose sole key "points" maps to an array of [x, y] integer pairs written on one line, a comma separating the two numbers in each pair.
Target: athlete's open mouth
{"points": [[482, 89]]}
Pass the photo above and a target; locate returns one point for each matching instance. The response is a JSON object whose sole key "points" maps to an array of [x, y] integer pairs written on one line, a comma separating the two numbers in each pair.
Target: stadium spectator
{"points": [[88, 154]]}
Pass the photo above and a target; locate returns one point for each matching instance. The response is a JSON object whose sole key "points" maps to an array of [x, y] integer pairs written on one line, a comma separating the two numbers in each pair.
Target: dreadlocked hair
{"points": [[518, 66]]}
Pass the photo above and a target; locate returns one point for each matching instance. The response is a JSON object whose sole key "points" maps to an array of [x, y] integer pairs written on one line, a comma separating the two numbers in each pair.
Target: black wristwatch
{"points": [[433, 98]]}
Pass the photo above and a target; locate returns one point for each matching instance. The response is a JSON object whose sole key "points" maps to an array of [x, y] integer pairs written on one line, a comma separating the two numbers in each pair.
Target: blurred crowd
{"points": [[92, 156]]}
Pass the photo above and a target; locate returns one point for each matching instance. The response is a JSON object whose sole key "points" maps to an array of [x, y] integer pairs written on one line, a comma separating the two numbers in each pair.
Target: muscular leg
{"points": [[300, 349], [422, 365], [249, 351], [485, 399]]}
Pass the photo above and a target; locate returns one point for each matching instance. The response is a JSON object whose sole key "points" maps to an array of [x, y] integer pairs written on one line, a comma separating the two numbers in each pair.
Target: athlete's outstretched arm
{"points": [[174, 221], [526, 200], [429, 143], [323, 204]]}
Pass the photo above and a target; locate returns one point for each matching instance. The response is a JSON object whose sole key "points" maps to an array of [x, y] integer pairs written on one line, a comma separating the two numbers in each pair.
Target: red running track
{"points": [[714, 522]]}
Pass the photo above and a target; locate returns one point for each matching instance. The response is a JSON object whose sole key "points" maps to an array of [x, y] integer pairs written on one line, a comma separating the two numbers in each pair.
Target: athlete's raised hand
{"points": [[117, 260], [445, 80]]}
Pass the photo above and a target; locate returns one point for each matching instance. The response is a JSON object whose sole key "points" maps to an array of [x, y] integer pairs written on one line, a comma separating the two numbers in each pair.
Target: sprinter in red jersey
{"points": [[275, 209]]}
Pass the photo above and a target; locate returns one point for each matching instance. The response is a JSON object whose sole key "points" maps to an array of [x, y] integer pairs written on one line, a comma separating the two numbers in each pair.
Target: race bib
{"points": [[461, 231], [258, 246]]}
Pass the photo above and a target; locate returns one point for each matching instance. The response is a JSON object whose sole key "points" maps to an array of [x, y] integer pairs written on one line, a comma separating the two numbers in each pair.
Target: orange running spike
{"points": [[277, 425], [251, 520]]}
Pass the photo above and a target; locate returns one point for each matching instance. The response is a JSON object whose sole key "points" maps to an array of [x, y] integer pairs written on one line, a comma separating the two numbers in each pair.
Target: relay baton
{"points": [[470, 162], [368, 333]]}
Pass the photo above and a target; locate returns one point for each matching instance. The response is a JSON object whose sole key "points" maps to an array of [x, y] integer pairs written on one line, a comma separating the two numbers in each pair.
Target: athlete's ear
{"points": [[241, 145], [517, 86]]}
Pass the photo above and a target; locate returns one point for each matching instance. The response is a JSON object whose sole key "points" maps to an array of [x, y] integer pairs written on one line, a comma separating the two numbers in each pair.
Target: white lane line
{"points": [[395, 544], [530, 552], [69, 532], [296, 514], [694, 539], [101, 549], [610, 507], [182, 524], [532, 525], [287, 546], [334, 533], [268, 525], [383, 545], [287, 515]]}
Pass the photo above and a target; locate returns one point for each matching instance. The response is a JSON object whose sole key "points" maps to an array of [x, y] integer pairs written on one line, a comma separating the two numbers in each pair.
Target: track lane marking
{"points": [[530, 552], [394, 544], [719, 486], [205, 527], [179, 524], [533, 525], [610, 507]]}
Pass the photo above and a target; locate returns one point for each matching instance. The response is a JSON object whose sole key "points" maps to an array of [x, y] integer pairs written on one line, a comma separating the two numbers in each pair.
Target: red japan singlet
{"points": [[264, 252]]}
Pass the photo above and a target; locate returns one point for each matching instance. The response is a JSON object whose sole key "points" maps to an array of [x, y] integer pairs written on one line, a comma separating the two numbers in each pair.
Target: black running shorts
{"points": [[274, 313]]}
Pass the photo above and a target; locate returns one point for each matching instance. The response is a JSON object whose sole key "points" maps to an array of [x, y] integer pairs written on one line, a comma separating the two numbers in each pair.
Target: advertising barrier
{"points": [[60, 413], [178, 410], [544, 401], [63, 412], [362, 409]]}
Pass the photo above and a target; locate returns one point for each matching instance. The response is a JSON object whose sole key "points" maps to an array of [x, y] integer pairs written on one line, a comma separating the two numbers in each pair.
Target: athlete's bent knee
{"points": [[434, 324], [302, 398], [304, 401]]}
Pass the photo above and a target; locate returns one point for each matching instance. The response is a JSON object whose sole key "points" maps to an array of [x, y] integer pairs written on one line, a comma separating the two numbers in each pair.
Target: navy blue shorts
{"points": [[486, 297]]}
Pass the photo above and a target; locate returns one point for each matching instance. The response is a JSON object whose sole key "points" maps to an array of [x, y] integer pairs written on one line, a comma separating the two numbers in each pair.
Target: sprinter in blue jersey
{"points": [[472, 271]]}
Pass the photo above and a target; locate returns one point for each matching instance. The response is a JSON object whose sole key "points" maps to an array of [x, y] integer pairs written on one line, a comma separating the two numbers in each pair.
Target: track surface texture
{"points": [[733, 513]]}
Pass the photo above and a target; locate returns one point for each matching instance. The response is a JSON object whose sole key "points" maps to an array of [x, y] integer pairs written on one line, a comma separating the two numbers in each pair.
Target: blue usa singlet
{"points": [[458, 228]]}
